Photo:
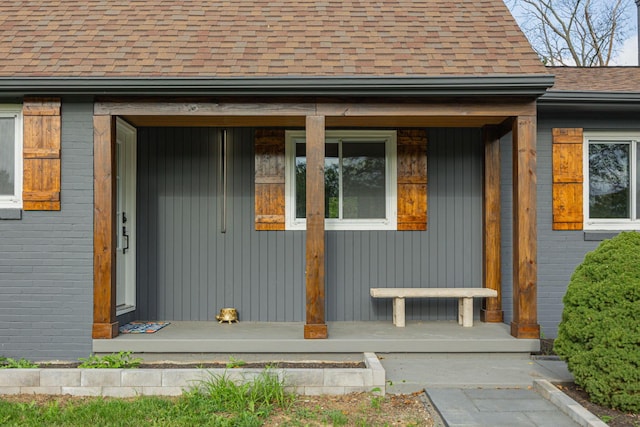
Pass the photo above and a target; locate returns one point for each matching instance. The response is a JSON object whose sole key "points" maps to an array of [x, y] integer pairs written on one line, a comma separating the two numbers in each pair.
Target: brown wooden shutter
{"points": [[41, 144], [269, 179], [412, 179], [567, 178]]}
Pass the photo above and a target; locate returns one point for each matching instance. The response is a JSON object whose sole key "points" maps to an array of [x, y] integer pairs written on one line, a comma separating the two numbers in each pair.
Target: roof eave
{"points": [[440, 86], [569, 98]]}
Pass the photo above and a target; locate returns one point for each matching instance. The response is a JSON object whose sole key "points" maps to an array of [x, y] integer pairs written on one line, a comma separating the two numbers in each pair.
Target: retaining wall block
{"points": [[184, 378], [101, 378], [304, 377], [82, 391], [141, 378], [344, 377], [60, 377], [162, 391], [20, 378], [40, 390], [121, 391]]}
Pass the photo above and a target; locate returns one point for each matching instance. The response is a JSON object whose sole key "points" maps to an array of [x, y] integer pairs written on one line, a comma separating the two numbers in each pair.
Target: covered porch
{"points": [[345, 337], [496, 117]]}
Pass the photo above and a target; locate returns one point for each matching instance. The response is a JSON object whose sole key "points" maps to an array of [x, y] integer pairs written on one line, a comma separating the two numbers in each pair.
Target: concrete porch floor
{"points": [[344, 337]]}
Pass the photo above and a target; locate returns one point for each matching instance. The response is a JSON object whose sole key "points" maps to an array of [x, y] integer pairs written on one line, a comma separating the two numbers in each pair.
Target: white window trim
{"points": [[15, 201], [389, 223], [613, 224]]}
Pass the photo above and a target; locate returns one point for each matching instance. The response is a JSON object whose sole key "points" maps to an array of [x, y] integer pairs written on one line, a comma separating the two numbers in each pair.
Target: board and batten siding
{"points": [[188, 268]]}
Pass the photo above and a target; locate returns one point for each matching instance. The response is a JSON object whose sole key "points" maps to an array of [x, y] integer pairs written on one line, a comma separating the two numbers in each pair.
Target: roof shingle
{"points": [[596, 79], [262, 38]]}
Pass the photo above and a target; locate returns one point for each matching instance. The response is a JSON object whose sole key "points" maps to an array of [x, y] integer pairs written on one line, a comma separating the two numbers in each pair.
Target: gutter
{"points": [[583, 97], [440, 86]]}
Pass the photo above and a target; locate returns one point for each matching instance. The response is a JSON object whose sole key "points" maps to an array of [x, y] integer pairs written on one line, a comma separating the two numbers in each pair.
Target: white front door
{"points": [[125, 217]]}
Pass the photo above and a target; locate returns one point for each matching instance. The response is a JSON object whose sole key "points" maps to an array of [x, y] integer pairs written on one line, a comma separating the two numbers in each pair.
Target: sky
{"points": [[628, 53]]}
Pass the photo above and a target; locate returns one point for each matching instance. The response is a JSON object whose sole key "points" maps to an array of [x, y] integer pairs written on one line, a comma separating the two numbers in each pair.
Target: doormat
{"points": [[142, 327]]}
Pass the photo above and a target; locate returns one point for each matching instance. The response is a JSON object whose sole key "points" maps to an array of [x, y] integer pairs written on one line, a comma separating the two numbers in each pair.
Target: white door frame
{"points": [[126, 142]]}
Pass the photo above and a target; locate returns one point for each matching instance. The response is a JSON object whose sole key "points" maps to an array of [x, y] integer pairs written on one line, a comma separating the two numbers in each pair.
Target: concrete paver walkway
{"points": [[480, 389]]}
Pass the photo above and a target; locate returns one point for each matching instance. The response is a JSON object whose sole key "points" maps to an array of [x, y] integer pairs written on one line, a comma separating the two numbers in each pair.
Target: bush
{"points": [[599, 335]]}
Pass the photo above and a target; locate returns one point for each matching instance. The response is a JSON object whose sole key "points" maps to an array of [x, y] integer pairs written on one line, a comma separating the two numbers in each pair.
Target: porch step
{"points": [[344, 337]]}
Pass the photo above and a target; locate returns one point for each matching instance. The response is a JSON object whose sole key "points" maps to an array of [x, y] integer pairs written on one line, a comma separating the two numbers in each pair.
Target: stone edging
{"points": [[172, 382], [573, 409]]}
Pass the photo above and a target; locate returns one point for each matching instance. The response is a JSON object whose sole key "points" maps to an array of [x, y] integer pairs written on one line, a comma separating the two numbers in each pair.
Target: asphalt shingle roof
{"points": [[596, 79], [262, 38]]}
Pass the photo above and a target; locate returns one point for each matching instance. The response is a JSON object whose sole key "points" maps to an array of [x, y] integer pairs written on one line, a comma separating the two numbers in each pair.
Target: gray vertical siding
{"points": [[46, 258], [188, 269]]}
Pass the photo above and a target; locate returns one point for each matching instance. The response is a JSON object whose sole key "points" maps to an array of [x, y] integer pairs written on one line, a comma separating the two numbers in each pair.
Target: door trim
{"points": [[126, 137]]}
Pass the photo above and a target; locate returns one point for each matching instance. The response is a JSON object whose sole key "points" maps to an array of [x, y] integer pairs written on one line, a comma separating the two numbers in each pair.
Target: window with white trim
{"points": [[612, 190], [10, 156], [360, 180]]}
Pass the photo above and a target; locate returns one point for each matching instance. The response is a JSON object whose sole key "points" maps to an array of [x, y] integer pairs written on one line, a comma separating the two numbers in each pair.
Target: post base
{"points": [[529, 331], [492, 316], [105, 330], [315, 331]]}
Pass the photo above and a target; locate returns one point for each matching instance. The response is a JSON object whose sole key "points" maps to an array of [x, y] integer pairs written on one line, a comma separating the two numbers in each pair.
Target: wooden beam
{"points": [[309, 107], [491, 248], [104, 229], [315, 327], [464, 108], [525, 316], [299, 121]]}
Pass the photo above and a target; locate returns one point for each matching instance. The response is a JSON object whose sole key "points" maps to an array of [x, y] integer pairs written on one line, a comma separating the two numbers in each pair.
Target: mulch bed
{"points": [[612, 417]]}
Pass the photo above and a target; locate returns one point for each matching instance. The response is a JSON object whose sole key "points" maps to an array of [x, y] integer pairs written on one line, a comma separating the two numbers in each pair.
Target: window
{"points": [[10, 157], [360, 180], [612, 196]]}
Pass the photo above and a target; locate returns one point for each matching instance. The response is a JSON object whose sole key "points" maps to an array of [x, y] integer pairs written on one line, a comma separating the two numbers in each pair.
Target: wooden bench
{"points": [[465, 300]]}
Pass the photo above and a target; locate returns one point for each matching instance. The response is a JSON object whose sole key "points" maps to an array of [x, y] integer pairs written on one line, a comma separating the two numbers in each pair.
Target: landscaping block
{"points": [[141, 377], [101, 378], [59, 377], [20, 378], [343, 377]]}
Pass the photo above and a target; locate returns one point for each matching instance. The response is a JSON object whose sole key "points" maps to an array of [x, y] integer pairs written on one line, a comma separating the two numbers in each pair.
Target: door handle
{"points": [[125, 236]]}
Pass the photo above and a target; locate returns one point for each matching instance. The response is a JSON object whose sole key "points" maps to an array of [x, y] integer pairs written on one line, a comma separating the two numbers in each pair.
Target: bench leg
{"points": [[398, 312], [465, 306]]}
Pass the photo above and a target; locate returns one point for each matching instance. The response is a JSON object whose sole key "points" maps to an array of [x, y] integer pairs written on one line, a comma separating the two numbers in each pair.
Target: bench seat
{"points": [[465, 300]]}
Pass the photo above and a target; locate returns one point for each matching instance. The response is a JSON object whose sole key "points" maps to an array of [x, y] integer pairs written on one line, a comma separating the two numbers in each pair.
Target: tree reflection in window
{"points": [[609, 174], [354, 177]]}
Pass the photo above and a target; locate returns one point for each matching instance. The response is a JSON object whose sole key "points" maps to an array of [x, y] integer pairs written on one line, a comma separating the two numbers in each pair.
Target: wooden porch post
{"points": [[491, 249], [104, 228], [525, 316], [315, 327]]}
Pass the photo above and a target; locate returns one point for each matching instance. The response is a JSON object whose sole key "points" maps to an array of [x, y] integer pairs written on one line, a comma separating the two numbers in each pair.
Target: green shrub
{"points": [[599, 335]]}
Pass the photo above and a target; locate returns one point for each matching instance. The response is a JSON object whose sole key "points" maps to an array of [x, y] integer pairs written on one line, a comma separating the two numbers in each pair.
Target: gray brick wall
{"points": [[559, 252], [46, 258]]}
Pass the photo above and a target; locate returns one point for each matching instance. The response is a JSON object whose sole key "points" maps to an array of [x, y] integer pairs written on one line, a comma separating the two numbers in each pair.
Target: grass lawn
{"points": [[217, 402]]}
